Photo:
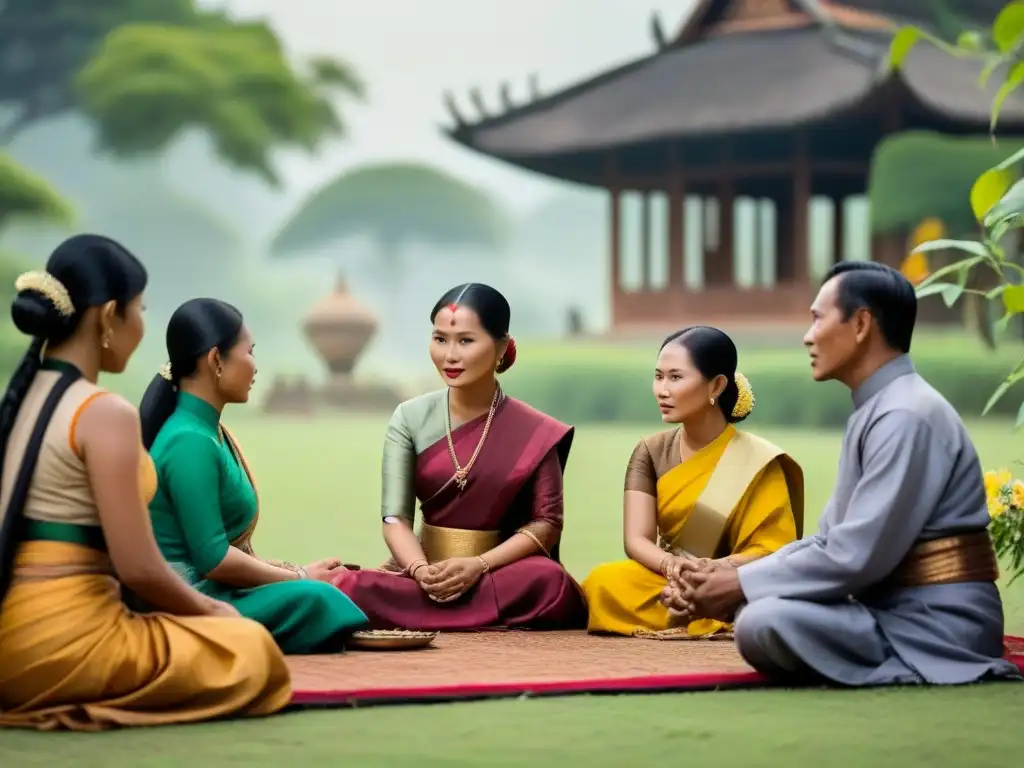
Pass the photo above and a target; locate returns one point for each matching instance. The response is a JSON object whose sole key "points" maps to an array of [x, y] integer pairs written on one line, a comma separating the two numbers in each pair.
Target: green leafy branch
{"points": [[997, 196]]}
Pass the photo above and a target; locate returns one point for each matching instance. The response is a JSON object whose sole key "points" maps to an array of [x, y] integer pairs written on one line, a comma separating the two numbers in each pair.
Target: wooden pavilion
{"points": [[772, 100]]}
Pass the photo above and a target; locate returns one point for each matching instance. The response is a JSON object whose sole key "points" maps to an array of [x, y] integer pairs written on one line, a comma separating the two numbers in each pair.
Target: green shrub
{"points": [[614, 388]]}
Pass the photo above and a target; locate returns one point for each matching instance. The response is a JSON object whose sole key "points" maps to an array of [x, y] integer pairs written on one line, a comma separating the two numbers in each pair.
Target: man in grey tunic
{"points": [[898, 584]]}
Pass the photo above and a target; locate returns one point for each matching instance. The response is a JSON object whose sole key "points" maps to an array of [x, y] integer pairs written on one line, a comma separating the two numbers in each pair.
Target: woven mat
{"points": [[497, 664], [486, 664]]}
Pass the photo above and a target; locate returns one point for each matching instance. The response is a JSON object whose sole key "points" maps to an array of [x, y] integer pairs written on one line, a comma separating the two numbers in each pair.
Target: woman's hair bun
{"points": [[509, 358], [36, 315]]}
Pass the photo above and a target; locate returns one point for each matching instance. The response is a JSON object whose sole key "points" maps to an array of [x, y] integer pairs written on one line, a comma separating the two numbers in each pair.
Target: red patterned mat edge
{"points": [[646, 684], [1014, 647]]}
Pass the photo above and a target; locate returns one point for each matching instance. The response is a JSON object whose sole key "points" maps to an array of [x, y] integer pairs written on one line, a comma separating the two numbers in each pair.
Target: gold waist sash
{"points": [[46, 560], [949, 560], [445, 543]]}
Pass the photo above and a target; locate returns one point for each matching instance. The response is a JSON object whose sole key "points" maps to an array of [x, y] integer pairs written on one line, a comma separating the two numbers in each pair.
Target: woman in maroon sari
{"points": [[487, 470]]}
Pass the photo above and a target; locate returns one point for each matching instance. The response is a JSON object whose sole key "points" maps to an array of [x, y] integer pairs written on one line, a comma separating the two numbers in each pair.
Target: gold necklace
{"points": [[461, 472]]}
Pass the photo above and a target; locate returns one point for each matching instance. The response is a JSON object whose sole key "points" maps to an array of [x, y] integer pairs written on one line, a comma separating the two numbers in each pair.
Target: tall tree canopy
{"points": [[24, 194], [144, 70], [395, 204]]}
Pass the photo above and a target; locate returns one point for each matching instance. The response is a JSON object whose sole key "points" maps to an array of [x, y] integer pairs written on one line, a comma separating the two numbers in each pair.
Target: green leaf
{"points": [[962, 268], [1009, 206], [931, 289], [970, 41], [1002, 323], [968, 246], [988, 190], [1020, 417], [997, 396], [1011, 161], [997, 291], [991, 65], [1012, 83], [951, 293], [1013, 299], [901, 46], [1008, 28]]}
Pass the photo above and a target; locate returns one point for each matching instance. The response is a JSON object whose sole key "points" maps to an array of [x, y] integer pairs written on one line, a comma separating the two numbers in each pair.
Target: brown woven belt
{"points": [[950, 560]]}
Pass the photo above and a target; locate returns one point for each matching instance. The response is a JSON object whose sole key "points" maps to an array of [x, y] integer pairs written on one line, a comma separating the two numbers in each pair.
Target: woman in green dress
{"points": [[206, 508]]}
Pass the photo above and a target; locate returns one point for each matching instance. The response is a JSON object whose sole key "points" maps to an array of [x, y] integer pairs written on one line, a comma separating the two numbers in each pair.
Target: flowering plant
{"points": [[1005, 496]]}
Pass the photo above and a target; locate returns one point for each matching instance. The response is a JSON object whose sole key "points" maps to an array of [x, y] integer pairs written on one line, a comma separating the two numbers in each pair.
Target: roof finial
{"points": [[658, 31], [505, 92], [453, 109], [478, 102]]}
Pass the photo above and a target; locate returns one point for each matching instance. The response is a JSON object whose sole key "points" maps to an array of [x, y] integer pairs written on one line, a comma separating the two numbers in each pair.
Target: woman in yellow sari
{"points": [[698, 493], [74, 528]]}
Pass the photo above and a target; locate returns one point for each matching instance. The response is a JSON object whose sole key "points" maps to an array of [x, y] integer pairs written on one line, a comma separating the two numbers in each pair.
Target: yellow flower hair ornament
{"points": [[165, 372], [744, 398], [49, 287]]}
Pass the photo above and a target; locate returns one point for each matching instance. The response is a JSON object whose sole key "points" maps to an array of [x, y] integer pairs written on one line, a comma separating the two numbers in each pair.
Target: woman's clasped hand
{"points": [[449, 579]]}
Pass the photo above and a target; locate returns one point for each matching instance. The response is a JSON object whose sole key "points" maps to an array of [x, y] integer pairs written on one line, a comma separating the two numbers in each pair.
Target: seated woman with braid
{"points": [[74, 531], [701, 492], [206, 509], [487, 470]]}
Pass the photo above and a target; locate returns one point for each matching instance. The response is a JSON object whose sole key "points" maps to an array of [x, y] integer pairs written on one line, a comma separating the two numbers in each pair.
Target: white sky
{"points": [[410, 51]]}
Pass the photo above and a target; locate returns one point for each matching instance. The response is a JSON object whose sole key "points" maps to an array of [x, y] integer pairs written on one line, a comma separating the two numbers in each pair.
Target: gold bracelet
{"points": [[487, 566], [661, 565]]}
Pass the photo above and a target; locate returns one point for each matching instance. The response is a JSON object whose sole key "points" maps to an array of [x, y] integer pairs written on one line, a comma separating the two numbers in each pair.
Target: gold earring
{"points": [[501, 361], [106, 340], [712, 401], [218, 371]]}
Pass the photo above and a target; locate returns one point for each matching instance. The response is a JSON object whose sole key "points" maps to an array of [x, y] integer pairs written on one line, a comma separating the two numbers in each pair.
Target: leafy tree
{"points": [[997, 195], [45, 43], [23, 194], [144, 70], [395, 204]]}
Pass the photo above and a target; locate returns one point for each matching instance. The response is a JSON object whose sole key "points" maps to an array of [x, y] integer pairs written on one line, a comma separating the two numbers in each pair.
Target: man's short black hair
{"points": [[884, 292]]}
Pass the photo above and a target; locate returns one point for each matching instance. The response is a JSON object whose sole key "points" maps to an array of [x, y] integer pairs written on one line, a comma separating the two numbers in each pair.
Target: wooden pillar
{"points": [[709, 216], [758, 242], [785, 269], [799, 218], [615, 241], [676, 224], [838, 229], [645, 241], [718, 264]]}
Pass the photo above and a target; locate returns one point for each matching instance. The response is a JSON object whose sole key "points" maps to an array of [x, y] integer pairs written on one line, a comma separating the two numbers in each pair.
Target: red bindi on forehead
{"points": [[453, 308]]}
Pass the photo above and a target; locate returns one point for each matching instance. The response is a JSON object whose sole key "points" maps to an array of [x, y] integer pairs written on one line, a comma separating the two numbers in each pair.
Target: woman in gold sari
{"points": [[74, 528], [698, 493]]}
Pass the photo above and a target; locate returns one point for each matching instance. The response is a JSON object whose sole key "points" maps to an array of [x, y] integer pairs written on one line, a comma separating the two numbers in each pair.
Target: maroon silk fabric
{"points": [[516, 479]]}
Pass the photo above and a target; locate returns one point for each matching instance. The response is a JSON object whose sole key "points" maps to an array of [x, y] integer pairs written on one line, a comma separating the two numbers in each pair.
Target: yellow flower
{"points": [[1017, 494], [996, 506], [995, 481]]}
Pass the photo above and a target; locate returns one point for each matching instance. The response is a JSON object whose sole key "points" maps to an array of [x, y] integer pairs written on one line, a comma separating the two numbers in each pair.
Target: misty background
{"points": [[204, 229]]}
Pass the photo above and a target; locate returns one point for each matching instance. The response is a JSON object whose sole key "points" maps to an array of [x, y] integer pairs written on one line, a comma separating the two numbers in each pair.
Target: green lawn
{"points": [[319, 489]]}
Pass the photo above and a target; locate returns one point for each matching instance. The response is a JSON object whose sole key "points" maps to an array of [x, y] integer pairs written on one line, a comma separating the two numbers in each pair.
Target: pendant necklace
{"points": [[461, 473]]}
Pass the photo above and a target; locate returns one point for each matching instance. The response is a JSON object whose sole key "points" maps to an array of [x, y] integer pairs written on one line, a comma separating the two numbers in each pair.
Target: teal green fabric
{"points": [[203, 502], [69, 533]]}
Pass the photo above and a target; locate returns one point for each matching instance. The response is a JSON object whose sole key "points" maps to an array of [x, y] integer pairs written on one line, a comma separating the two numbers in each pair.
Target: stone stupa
{"points": [[339, 327]]}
